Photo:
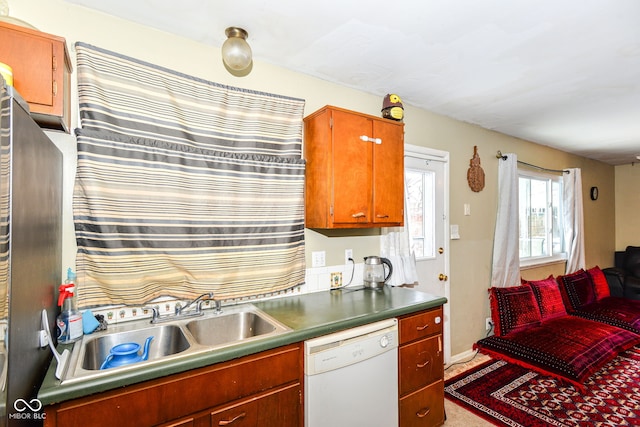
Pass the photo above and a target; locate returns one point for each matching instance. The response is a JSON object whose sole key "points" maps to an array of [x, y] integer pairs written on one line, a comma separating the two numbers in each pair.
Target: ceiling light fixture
{"points": [[236, 52]]}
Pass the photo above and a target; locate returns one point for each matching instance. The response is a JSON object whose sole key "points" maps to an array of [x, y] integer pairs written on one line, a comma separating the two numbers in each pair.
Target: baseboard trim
{"points": [[460, 357]]}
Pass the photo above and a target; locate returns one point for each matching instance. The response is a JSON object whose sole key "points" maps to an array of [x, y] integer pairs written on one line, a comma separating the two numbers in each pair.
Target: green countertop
{"points": [[308, 316]]}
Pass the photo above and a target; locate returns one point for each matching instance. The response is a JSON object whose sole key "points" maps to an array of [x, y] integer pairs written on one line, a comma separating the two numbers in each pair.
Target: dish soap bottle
{"points": [[69, 321]]}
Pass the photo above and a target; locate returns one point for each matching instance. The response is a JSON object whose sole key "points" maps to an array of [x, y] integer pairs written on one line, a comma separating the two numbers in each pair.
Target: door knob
{"points": [[443, 277], [441, 250]]}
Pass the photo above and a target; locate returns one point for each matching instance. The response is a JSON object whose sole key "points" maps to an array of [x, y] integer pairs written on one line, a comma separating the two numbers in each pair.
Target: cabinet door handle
{"points": [[233, 420], [422, 328], [422, 365], [423, 412], [382, 216], [366, 138], [358, 215]]}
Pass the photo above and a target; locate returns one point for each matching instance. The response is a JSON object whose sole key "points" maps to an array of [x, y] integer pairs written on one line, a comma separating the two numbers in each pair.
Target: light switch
{"points": [[318, 259], [454, 232], [467, 209]]}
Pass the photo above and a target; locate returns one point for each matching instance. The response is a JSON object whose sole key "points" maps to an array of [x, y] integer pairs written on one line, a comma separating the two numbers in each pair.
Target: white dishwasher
{"points": [[351, 377]]}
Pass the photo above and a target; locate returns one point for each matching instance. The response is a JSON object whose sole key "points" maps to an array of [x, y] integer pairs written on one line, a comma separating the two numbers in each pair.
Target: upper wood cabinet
{"points": [[41, 73], [354, 170]]}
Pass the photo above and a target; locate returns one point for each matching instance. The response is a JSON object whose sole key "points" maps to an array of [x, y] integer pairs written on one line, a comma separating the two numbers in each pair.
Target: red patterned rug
{"points": [[509, 395]]}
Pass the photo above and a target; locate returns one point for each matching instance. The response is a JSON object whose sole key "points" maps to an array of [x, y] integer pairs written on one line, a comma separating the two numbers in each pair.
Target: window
{"points": [[420, 193], [540, 215]]}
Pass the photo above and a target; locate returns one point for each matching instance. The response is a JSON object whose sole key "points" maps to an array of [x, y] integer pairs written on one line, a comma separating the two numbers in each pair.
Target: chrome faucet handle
{"points": [[155, 313], [218, 304], [199, 306], [208, 296]]}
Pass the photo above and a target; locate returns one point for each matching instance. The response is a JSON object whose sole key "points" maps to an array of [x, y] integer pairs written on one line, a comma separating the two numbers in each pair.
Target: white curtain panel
{"points": [[573, 220], [506, 252], [395, 246]]}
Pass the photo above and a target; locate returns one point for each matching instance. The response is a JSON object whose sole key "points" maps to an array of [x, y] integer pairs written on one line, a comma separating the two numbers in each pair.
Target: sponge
{"points": [[89, 322]]}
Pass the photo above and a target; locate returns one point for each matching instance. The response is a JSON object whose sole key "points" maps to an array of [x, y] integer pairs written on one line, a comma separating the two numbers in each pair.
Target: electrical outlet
{"points": [[488, 323], [336, 280], [318, 259], [348, 253]]}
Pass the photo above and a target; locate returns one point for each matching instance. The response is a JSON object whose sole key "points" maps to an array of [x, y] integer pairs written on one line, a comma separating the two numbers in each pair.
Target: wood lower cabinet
{"points": [[354, 170], [272, 409], [263, 390], [41, 73], [421, 369]]}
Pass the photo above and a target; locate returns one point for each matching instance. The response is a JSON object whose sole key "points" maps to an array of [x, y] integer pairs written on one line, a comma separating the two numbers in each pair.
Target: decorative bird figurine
{"points": [[392, 107]]}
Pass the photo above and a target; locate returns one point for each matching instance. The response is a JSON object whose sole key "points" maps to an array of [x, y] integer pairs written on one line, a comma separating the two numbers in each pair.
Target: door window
{"points": [[420, 193]]}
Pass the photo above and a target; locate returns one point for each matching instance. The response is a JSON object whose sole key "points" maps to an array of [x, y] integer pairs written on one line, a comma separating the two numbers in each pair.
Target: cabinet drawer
{"points": [[279, 408], [420, 325], [421, 363], [424, 408]]}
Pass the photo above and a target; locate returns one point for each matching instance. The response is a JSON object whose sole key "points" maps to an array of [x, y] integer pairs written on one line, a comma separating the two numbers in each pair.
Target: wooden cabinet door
{"points": [[41, 72], [388, 173], [352, 168], [30, 57], [185, 422], [282, 408]]}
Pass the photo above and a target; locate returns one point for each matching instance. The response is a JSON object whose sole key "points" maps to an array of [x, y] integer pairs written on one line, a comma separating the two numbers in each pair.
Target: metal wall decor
{"points": [[475, 174]]}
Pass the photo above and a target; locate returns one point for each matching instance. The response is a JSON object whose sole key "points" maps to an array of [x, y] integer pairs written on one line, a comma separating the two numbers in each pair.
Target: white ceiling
{"points": [[562, 73]]}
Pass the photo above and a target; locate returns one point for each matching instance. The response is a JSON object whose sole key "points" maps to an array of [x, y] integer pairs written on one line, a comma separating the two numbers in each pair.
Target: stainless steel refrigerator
{"points": [[30, 254]]}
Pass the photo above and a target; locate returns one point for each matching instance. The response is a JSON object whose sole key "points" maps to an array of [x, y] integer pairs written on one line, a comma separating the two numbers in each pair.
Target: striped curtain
{"points": [[183, 186], [5, 201]]}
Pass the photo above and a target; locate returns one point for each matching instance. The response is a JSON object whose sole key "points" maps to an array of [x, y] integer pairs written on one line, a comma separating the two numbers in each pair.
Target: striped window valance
{"points": [[132, 97], [183, 186]]}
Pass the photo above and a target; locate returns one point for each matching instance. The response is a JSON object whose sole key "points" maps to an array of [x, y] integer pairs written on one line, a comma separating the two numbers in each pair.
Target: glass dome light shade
{"points": [[236, 52]]}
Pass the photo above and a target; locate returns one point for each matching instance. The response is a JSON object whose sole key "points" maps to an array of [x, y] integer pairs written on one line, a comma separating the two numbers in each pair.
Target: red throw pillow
{"points": [[513, 309], [577, 290], [549, 298], [600, 284]]}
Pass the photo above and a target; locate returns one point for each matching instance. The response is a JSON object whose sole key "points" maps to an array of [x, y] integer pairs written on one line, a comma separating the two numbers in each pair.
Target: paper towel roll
{"points": [[7, 73]]}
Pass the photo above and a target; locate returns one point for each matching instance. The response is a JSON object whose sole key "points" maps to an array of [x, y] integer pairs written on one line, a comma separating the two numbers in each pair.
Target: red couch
{"points": [[567, 328]]}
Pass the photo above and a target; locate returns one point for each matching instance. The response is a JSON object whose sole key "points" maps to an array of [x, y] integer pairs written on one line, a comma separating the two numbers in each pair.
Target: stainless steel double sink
{"points": [[171, 339]]}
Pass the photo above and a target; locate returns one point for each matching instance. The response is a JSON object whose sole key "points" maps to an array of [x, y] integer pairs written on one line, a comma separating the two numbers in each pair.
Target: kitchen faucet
{"points": [[198, 302], [179, 309]]}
